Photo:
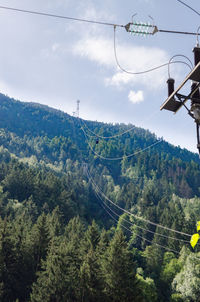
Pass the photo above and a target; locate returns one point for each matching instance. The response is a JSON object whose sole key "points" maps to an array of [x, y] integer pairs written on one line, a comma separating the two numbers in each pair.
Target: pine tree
{"points": [[59, 276], [40, 240], [9, 264], [119, 270], [90, 278], [92, 237]]}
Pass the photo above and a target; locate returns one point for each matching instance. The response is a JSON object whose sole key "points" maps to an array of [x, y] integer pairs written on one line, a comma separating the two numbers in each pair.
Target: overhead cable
{"points": [[59, 16], [120, 157], [15, 9], [140, 72], [115, 135], [105, 137], [137, 235], [177, 32], [180, 55], [132, 232], [96, 189], [188, 6], [140, 218]]}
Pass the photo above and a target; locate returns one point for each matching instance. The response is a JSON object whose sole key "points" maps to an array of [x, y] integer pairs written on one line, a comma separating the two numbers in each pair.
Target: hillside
{"points": [[60, 173]]}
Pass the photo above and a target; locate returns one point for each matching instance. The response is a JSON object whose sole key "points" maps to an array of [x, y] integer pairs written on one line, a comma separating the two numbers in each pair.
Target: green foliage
{"points": [[147, 289], [118, 270], [186, 283], [57, 243]]}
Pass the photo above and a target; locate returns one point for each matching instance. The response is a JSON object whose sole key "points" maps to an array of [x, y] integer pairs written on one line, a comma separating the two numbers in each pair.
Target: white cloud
{"points": [[95, 49], [132, 58], [136, 97]]}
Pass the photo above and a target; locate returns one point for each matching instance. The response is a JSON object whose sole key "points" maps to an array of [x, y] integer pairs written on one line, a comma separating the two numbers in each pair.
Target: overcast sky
{"points": [[56, 62]]}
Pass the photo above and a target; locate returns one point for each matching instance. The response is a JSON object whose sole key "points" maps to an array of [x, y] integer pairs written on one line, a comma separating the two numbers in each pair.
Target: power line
{"points": [[97, 189], [137, 235], [138, 217], [143, 229], [140, 72], [188, 6], [59, 16], [105, 137], [141, 237], [116, 135], [89, 21], [132, 232], [121, 157], [180, 55], [177, 32], [133, 224]]}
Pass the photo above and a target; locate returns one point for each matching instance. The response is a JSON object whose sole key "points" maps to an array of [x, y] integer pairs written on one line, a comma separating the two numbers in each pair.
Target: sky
{"points": [[57, 62]]}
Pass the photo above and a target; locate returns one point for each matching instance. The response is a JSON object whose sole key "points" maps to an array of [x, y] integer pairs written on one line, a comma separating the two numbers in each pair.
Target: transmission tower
{"points": [[77, 107], [76, 113]]}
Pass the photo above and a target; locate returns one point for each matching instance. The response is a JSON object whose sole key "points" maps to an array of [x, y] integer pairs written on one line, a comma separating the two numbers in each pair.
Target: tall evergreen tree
{"points": [[58, 280], [119, 270]]}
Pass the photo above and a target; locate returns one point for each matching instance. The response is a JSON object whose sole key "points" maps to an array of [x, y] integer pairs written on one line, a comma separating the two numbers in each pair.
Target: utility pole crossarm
{"points": [[171, 103]]}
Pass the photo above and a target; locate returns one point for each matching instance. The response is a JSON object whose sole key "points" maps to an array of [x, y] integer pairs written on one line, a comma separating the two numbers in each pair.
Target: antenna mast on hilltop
{"points": [[77, 108], [76, 113]]}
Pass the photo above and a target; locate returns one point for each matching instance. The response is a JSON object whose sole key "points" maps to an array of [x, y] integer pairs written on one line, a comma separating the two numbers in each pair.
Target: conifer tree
{"points": [[90, 278], [40, 240], [119, 270], [58, 280]]}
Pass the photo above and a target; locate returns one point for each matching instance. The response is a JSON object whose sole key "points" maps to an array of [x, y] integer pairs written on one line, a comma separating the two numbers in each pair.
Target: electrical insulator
{"points": [[196, 51], [170, 83], [196, 94], [140, 28], [195, 103]]}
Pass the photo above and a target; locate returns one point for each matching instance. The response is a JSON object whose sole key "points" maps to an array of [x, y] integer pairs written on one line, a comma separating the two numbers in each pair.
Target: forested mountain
{"points": [[83, 210]]}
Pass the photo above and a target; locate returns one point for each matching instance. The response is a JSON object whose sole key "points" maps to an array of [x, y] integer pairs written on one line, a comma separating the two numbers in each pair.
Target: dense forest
{"points": [[92, 211]]}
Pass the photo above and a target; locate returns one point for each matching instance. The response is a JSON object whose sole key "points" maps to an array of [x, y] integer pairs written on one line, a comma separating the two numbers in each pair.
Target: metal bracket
{"points": [[198, 138]]}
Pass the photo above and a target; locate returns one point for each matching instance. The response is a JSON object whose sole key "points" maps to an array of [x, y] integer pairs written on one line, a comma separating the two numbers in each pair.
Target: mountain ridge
{"points": [[44, 120]]}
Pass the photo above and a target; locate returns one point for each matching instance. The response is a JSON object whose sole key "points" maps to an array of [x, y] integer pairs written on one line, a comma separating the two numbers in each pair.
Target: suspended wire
{"points": [[177, 32], [137, 235], [129, 222], [188, 6], [143, 229], [180, 55], [105, 137], [131, 231], [116, 135], [138, 217], [121, 157], [59, 16], [96, 189], [140, 72], [88, 21], [101, 23]]}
